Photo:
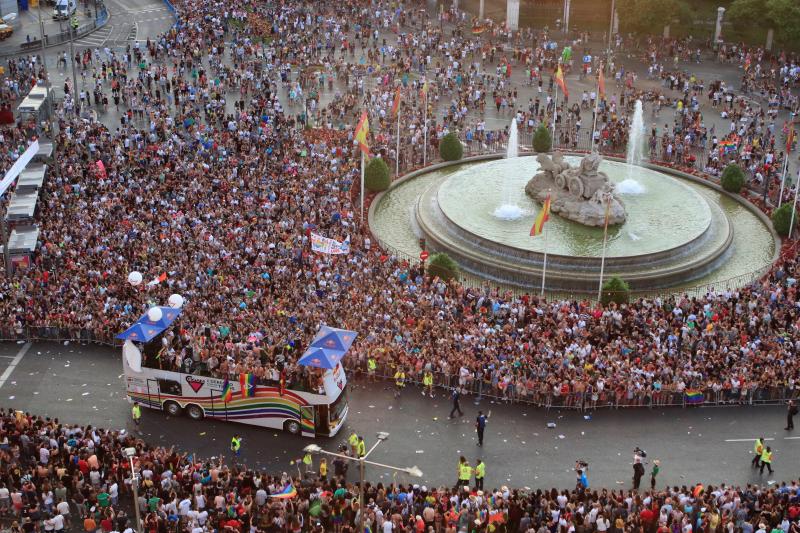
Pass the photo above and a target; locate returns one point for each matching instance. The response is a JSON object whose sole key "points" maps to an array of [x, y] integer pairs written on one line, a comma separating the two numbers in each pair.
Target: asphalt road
{"points": [[84, 385]]}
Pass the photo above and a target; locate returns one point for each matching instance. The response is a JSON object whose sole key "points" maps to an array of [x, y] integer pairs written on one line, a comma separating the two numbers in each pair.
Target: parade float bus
{"points": [[317, 408]]}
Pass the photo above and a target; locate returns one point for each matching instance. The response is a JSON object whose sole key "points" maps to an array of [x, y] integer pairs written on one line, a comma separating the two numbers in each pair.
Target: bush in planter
{"points": [[451, 148], [732, 178], [376, 175], [442, 265], [782, 217], [542, 141], [615, 290]]}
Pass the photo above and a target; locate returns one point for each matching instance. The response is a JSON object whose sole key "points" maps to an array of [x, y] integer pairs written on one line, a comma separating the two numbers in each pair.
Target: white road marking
{"points": [[14, 363], [791, 438], [744, 440]]}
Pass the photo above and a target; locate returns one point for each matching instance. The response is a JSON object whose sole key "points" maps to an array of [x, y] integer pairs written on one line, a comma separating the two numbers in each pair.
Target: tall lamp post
{"points": [[131, 452], [362, 462]]}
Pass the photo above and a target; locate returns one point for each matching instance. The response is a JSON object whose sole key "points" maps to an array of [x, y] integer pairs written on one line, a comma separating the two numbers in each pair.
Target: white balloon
{"points": [[132, 356], [154, 314], [175, 301], [135, 278]]}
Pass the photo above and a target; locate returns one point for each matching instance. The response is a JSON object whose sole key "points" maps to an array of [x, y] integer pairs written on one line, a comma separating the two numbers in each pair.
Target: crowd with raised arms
{"points": [[211, 186], [56, 476]]}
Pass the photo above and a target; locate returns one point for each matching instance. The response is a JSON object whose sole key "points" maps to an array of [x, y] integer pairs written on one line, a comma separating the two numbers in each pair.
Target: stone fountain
{"points": [[576, 193]]}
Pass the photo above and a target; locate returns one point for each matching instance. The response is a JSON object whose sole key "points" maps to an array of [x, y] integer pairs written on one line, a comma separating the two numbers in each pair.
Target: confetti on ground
{"points": [[562, 437], [551, 425], [11, 397], [85, 394], [420, 451], [203, 433], [68, 400]]}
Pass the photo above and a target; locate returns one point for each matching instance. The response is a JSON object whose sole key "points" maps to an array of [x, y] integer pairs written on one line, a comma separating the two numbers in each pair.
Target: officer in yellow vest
{"points": [[236, 444], [464, 473], [136, 413], [323, 469], [308, 462], [352, 440], [480, 473], [427, 383], [399, 381], [766, 460], [758, 449], [372, 367], [362, 447]]}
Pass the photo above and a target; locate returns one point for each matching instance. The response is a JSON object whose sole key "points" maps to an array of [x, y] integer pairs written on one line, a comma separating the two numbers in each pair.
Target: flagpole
{"points": [[555, 114], [425, 132], [794, 208], [362, 187], [397, 152], [783, 178], [544, 265], [596, 107], [603, 257]]}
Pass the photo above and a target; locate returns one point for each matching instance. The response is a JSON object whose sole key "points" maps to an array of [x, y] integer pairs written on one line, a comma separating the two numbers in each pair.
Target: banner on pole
{"points": [[324, 245], [18, 166]]}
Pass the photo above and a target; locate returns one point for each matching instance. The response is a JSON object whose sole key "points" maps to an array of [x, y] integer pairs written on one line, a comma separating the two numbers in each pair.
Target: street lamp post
{"points": [[48, 83], [362, 462], [130, 452]]}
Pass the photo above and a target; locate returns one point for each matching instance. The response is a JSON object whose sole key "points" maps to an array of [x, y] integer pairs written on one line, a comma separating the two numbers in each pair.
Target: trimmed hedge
{"points": [[442, 265], [542, 140], [732, 179], [451, 148], [615, 290], [781, 218], [376, 175]]}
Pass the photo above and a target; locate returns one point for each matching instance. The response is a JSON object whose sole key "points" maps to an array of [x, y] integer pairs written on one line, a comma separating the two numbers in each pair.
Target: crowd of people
{"points": [[59, 477], [224, 162]]}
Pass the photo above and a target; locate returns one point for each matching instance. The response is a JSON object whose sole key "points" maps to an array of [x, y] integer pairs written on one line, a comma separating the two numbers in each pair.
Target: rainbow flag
{"points": [[396, 103], [694, 397], [227, 391], [248, 383], [728, 146], [541, 218], [286, 494]]}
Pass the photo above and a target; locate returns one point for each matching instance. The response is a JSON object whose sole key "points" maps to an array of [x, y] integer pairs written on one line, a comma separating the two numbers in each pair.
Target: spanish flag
{"points": [[541, 218], [561, 83], [790, 139], [396, 103], [601, 84], [362, 131], [227, 391]]}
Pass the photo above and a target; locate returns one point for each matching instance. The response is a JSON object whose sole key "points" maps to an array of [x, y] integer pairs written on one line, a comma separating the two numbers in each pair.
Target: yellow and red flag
{"points": [[362, 131], [790, 139], [560, 81], [601, 84], [541, 218], [396, 103]]}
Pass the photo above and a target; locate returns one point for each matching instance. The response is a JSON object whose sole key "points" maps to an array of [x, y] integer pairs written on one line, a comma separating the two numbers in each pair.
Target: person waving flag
{"points": [[561, 82]]}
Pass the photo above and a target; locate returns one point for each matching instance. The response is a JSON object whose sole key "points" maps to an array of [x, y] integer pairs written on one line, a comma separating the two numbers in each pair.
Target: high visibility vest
{"points": [[307, 459], [465, 472], [399, 379], [136, 411], [362, 448], [371, 364], [480, 470], [766, 457], [323, 469], [427, 379], [759, 446], [353, 440], [236, 444]]}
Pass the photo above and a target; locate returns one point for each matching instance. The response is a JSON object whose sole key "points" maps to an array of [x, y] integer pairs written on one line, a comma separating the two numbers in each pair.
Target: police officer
{"points": [[427, 383], [236, 444], [758, 449], [464, 473], [308, 461], [480, 473], [361, 447], [399, 381], [480, 426], [353, 442], [372, 367], [136, 413], [766, 460], [456, 396]]}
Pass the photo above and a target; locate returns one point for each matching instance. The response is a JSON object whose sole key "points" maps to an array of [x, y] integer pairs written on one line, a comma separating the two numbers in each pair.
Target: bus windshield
{"points": [[338, 408]]}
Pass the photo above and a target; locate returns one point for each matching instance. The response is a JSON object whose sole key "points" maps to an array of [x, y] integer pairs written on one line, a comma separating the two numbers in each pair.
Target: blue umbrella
{"points": [[333, 339], [320, 358]]}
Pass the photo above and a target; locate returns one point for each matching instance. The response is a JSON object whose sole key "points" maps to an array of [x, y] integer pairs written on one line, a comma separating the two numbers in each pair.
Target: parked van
{"points": [[64, 9]]}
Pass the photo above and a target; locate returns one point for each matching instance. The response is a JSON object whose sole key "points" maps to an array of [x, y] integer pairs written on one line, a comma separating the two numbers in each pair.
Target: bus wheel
{"points": [[194, 412], [172, 408], [292, 426]]}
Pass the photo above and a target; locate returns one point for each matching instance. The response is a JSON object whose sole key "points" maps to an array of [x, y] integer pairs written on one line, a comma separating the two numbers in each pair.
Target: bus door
{"points": [[153, 394], [218, 407], [308, 421]]}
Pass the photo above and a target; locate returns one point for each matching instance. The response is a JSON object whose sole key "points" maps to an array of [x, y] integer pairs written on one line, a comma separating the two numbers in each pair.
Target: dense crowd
{"points": [[212, 184], [60, 477]]}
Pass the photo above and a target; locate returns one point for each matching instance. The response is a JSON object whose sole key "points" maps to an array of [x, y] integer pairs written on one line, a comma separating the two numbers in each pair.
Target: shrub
{"points": [[376, 175], [615, 290], [781, 218], [732, 179], [442, 265], [542, 141], [451, 148]]}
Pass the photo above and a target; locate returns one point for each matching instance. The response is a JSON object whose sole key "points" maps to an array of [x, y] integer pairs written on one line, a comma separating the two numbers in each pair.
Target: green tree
{"points": [[376, 175], [451, 148], [647, 16], [785, 17], [442, 265], [732, 178], [615, 290], [542, 141], [782, 217]]}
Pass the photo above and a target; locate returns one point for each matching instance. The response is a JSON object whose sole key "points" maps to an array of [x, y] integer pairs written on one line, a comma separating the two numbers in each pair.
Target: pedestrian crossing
{"points": [[96, 38]]}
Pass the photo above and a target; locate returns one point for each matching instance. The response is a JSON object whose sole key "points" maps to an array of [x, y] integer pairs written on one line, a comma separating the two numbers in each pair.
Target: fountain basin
{"points": [[680, 233]]}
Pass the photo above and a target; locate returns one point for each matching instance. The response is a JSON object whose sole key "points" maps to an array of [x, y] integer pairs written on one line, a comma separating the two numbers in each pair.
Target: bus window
{"points": [[337, 408], [168, 386]]}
